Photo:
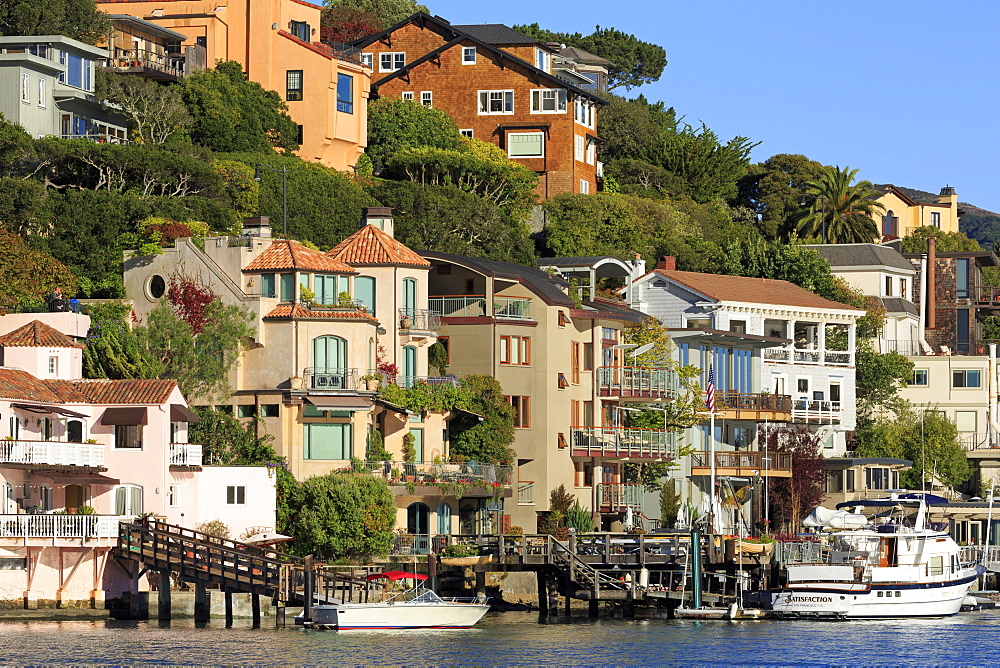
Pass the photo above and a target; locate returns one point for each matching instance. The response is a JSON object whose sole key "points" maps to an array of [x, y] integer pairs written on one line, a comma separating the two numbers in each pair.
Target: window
{"points": [[268, 410], [588, 357], [584, 187], [877, 478], [328, 441], [301, 30], [345, 93], [266, 285], [561, 442], [966, 421], [427, 98], [575, 362], [563, 319], [919, 377], [41, 93], [889, 224], [470, 286], [902, 288], [366, 60], [390, 62], [467, 133], [25, 82], [583, 112], [128, 436], [526, 144], [888, 286], [128, 500], [962, 278], [54, 366], [515, 350], [548, 101], [287, 287], [591, 153], [364, 292], [835, 393], [965, 378], [293, 85], [173, 496], [522, 412], [236, 495], [803, 385], [408, 95], [246, 410], [468, 55], [496, 102], [543, 59], [299, 129], [936, 219], [45, 497], [48, 429], [579, 147], [561, 381]]}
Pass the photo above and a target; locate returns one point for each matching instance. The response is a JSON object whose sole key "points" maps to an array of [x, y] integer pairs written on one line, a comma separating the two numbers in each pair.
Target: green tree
{"points": [[394, 125], [775, 188], [156, 112], [793, 498], [579, 518], [29, 276], [341, 516], [78, 19], [945, 242], [15, 145], [113, 349], [488, 439], [710, 168], [231, 113], [389, 12], [591, 225], [844, 207], [634, 62], [670, 503], [878, 379]]}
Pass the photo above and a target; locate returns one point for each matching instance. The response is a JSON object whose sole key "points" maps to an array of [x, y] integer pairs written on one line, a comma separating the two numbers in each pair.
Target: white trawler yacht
{"points": [[881, 567]]}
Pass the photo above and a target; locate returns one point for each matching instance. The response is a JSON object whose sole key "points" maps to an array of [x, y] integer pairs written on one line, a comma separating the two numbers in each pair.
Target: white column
{"points": [[790, 335], [821, 341], [851, 341]]}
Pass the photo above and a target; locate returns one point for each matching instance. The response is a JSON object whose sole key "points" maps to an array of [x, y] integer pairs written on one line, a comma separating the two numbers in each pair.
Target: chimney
{"points": [[931, 297], [258, 226], [638, 265], [667, 263], [380, 217], [948, 196]]}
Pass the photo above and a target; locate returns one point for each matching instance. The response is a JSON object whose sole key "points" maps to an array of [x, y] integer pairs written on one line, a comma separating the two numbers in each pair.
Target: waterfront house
{"points": [[143, 48], [907, 209]]}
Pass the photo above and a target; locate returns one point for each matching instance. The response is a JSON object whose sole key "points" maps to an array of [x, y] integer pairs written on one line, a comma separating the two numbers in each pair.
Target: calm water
{"points": [[518, 639]]}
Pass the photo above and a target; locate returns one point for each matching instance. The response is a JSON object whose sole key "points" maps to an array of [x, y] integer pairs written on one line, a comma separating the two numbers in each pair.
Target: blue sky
{"points": [[903, 91]]}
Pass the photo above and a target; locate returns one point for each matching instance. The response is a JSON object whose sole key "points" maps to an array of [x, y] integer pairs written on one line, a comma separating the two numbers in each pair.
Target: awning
{"points": [[334, 403], [181, 413], [125, 415], [39, 408], [80, 479], [392, 407]]}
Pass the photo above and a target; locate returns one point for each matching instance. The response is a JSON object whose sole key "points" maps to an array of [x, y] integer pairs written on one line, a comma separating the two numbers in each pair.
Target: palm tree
{"points": [[839, 212]]}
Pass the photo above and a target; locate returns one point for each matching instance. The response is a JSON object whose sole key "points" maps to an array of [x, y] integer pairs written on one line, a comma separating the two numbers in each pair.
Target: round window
{"points": [[156, 287]]}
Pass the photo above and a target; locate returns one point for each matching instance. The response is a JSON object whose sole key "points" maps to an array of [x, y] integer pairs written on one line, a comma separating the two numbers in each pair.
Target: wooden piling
{"points": [[543, 594], [255, 610], [593, 608], [202, 609], [163, 601], [228, 596]]}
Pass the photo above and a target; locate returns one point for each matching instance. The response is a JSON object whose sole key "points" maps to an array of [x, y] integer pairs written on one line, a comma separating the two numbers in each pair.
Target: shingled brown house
{"points": [[498, 86]]}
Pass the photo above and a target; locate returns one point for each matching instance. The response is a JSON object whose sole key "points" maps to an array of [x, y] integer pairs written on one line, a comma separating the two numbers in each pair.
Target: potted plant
{"points": [[406, 321], [307, 297], [85, 510], [344, 300], [372, 381]]}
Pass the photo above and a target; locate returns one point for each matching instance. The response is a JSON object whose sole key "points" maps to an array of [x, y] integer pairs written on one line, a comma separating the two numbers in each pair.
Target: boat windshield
{"points": [[420, 594]]}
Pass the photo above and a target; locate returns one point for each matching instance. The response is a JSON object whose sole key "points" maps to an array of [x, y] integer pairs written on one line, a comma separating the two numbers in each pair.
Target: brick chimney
{"points": [[667, 263], [930, 298]]}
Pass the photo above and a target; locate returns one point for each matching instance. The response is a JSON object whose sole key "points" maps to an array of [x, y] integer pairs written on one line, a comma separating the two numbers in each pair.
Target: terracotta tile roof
{"points": [[372, 246], [18, 384], [37, 334], [299, 311], [103, 391], [752, 290], [288, 254]]}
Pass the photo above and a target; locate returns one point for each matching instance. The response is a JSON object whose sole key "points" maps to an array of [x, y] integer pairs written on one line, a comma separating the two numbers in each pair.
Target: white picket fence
{"points": [[58, 453], [60, 526]]}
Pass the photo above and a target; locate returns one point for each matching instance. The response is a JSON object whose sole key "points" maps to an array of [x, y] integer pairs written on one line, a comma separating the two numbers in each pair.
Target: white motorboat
{"points": [[414, 608], [886, 567]]}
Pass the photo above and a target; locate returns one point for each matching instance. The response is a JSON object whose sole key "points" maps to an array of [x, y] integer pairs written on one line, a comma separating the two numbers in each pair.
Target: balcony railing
{"points": [[986, 295], [616, 497], [130, 59], [326, 378], [636, 382], [526, 493], [745, 402], [429, 473], [60, 526], [819, 357], [471, 306], [979, 441], [418, 320], [185, 454], [98, 138], [52, 453], [901, 346], [622, 442], [410, 381], [409, 543], [747, 461], [806, 410]]}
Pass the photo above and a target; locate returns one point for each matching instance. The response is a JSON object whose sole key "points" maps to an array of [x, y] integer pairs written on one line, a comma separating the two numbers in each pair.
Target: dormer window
{"points": [[543, 59]]}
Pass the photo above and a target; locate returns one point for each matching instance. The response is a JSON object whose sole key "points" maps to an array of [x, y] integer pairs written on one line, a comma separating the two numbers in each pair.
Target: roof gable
{"points": [[720, 287], [371, 246], [288, 254], [36, 334], [862, 255], [18, 384]]}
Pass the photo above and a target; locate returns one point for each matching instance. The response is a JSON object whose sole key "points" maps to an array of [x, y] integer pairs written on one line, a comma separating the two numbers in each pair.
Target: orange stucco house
{"points": [[277, 43]]}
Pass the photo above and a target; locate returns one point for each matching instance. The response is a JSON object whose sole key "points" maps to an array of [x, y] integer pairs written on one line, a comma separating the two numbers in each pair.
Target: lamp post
{"points": [[284, 192]]}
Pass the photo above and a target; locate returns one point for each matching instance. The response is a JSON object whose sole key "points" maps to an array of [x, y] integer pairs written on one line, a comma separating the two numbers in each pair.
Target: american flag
{"points": [[710, 390]]}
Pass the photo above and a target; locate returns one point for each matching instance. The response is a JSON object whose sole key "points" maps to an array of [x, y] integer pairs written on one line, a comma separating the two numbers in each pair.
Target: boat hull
{"points": [[355, 616]]}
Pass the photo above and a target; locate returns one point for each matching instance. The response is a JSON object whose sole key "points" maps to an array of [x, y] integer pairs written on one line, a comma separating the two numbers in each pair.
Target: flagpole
{"points": [[711, 459]]}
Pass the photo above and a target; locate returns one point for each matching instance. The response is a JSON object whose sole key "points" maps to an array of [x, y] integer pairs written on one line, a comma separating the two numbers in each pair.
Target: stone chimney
{"points": [[667, 263], [258, 226], [930, 298], [380, 217]]}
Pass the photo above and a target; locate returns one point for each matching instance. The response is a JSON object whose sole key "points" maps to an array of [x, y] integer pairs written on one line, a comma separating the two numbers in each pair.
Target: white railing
{"points": [[472, 306], [636, 381], [53, 453], [611, 442], [512, 308], [815, 411], [60, 526], [819, 357], [185, 454]]}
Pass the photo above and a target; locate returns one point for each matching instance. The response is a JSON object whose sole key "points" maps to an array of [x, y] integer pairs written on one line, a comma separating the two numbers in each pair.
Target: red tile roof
{"points": [[371, 246], [288, 254], [37, 334], [103, 391], [753, 290], [18, 384], [299, 311]]}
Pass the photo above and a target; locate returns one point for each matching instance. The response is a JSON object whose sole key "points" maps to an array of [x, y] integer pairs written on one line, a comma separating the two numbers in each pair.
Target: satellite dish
{"points": [[640, 350]]}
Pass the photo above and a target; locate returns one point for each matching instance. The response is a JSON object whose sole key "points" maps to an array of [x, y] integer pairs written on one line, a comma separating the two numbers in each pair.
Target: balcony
{"points": [[748, 406], [147, 64], [622, 442], [636, 382], [430, 473], [816, 412], [747, 464], [185, 454], [326, 378], [418, 322], [801, 356], [526, 493], [902, 346], [60, 526], [51, 453], [617, 497], [474, 306], [410, 381]]}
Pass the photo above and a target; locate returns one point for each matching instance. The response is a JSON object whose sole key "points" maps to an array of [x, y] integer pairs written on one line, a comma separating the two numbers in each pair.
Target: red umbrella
{"points": [[396, 575]]}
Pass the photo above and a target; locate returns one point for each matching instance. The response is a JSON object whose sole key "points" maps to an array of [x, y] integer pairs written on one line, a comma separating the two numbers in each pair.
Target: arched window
{"points": [[889, 225], [444, 519], [418, 519], [329, 363]]}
